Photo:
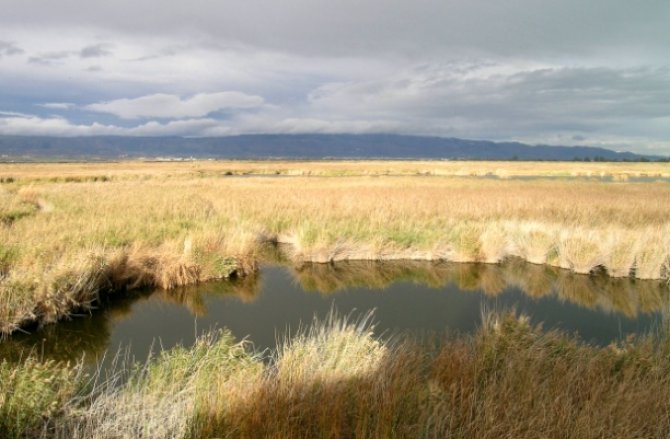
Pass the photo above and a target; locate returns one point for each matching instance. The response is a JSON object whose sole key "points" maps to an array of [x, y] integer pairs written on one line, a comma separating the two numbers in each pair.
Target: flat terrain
{"points": [[147, 169], [72, 232]]}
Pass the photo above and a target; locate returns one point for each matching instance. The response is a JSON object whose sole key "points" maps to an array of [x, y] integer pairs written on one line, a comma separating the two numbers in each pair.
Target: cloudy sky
{"points": [[572, 72]]}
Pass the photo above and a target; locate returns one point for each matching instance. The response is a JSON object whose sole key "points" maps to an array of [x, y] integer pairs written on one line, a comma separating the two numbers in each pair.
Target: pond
{"points": [[407, 297]]}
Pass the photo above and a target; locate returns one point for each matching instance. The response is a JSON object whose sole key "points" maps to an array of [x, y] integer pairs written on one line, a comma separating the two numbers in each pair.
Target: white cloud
{"points": [[29, 125], [186, 127], [177, 64], [326, 126], [162, 105], [26, 124], [272, 122], [57, 105], [13, 114]]}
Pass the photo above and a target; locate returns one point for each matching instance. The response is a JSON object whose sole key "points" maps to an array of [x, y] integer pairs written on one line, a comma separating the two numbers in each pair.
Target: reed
{"points": [[32, 391]]}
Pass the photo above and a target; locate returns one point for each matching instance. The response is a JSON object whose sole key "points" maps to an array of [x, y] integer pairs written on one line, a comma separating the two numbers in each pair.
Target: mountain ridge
{"points": [[297, 146]]}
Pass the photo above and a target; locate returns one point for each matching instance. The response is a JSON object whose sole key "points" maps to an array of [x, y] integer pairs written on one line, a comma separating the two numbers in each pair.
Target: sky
{"points": [[569, 72]]}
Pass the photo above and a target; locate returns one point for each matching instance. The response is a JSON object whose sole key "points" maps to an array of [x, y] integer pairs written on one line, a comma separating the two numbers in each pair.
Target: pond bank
{"points": [[106, 278], [408, 296]]}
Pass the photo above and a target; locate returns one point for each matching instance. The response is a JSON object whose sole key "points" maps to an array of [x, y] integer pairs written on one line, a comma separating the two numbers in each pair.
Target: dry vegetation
{"points": [[337, 380], [79, 172], [71, 232]]}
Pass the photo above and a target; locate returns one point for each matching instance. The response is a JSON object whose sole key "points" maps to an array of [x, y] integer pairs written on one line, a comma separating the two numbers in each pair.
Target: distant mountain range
{"points": [[295, 146]]}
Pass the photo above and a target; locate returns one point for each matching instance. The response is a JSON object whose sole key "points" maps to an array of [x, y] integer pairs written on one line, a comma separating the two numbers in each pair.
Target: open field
{"points": [[337, 380], [72, 232]]}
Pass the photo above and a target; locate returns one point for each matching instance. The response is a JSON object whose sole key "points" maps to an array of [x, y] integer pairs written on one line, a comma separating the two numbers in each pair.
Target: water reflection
{"points": [[245, 289], [629, 297], [88, 335], [408, 295]]}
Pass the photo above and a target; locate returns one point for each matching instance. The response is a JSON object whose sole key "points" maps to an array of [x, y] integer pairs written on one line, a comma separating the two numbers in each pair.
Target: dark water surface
{"points": [[415, 297]]}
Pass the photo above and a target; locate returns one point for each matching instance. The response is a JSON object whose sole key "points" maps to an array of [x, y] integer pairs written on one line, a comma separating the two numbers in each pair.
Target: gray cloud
{"points": [[535, 70], [509, 28], [48, 58], [95, 51], [170, 106], [534, 102], [8, 48]]}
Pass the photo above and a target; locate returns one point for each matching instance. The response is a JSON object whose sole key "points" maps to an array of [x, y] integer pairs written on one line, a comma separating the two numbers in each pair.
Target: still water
{"points": [[407, 297]]}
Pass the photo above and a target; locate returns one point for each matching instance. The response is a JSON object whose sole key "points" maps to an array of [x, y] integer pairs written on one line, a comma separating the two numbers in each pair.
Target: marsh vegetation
{"points": [[72, 236], [70, 233]]}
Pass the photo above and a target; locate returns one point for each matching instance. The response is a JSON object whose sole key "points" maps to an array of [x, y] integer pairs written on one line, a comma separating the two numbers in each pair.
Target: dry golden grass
{"points": [[79, 172], [67, 234]]}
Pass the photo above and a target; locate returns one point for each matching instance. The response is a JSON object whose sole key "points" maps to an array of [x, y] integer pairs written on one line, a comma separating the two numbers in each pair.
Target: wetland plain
{"points": [[251, 284]]}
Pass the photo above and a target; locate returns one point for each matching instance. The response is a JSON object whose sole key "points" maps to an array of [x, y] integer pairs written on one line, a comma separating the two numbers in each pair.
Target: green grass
{"points": [[32, 392]]}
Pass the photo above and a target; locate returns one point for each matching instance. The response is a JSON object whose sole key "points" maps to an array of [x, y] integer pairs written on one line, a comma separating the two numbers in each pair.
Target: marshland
{"points": [[511, 299]]}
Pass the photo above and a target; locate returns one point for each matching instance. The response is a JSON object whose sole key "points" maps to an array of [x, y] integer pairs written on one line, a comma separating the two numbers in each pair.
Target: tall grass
{"points": [[167, 225], [31, 392], [335, 379]]}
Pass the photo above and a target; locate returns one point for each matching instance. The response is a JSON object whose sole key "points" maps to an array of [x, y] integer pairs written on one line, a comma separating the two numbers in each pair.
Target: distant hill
{"points": [[295, 146]]}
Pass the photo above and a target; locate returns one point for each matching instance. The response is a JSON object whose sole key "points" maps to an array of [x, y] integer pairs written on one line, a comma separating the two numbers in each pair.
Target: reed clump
{"points": [[337, 379], [31, 392], [66, 242]]}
